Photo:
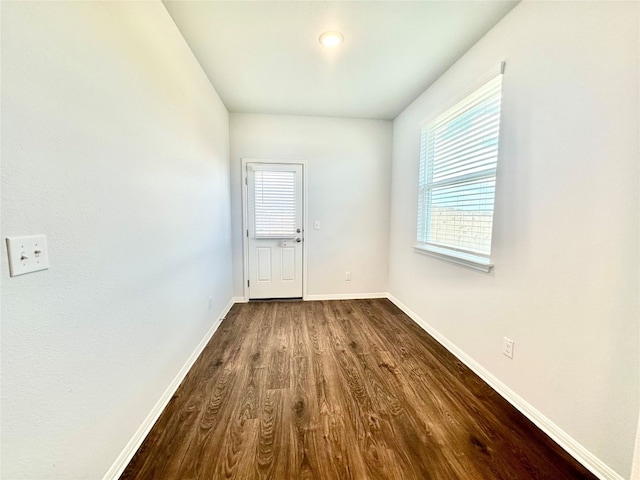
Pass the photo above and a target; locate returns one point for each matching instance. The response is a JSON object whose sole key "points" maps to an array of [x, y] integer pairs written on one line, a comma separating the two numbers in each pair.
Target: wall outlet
{"points": [[507, 347], [347, 276], [210, 303]]}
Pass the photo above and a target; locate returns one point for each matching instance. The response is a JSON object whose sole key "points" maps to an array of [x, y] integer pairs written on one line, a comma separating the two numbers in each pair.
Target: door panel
{"points": [[288, 264], [274, 230], [264, 264]]}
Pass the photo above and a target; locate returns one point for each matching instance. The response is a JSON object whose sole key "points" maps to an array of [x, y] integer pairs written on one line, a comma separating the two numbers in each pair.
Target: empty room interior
{"points": [[320, 240]]}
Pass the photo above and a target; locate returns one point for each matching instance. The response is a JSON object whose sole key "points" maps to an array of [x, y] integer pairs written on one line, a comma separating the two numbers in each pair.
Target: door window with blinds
{"points": [[457, 178], [274, 204]]}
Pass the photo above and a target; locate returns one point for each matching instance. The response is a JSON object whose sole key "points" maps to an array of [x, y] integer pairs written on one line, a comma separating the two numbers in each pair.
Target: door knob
{"points": [[298, 239]]}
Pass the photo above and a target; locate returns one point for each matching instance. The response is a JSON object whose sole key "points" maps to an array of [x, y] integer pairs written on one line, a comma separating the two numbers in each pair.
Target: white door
{"points": [[274, 230]]}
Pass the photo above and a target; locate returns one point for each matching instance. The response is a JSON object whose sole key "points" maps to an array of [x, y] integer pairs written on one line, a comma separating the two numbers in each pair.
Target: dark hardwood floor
{"points": [[339, 390]]}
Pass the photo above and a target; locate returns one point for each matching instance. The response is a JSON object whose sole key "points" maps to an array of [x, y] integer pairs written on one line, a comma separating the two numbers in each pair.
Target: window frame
{"points": [[468, 258]]}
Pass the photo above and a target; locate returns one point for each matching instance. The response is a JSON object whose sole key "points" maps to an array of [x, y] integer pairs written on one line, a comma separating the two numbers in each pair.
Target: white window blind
{"points": [[275, 204], [458, 159]]}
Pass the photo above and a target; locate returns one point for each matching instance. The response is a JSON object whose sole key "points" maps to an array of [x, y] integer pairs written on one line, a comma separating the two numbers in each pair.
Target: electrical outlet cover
{"points": [[507, 347]]}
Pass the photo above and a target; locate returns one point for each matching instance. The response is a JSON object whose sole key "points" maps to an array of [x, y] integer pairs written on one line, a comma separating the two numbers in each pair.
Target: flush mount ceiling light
{"points": [[331, 39]]}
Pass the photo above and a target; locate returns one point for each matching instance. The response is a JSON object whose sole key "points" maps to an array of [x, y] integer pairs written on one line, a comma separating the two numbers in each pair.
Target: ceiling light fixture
{"points": [[331, 39]]}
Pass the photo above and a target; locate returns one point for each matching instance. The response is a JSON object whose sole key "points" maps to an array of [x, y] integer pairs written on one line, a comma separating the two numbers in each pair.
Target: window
{"points": [[275, 204], [457, 178]]}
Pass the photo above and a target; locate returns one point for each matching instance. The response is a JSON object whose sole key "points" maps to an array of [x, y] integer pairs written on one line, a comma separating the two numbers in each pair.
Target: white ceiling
{"points": [[264, 56]]}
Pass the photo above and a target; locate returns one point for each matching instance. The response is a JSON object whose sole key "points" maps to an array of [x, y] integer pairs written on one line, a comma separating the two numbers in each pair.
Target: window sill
{"points": [[469, 260]]}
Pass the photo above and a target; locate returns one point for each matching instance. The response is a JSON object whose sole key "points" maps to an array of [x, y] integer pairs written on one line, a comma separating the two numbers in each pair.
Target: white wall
{"points": [[348, 191], [566, 239], [115, 146]]}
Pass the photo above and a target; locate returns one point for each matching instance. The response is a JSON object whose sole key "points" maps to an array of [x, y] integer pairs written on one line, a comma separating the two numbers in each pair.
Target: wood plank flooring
{"points": [[339, 390]]}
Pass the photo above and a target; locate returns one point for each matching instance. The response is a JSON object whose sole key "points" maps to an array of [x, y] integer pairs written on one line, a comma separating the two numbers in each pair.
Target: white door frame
{"points": [[245, 219]]}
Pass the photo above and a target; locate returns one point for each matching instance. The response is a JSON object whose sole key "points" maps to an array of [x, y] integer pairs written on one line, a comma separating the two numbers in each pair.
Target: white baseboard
{"points": [[239, 300], [132, 447], [635, 465], [575, 449], [346, 296]]}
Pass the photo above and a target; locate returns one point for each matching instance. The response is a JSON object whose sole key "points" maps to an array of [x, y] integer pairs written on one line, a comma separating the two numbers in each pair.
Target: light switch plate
{"points": [[316, 224], [27, 254]]}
